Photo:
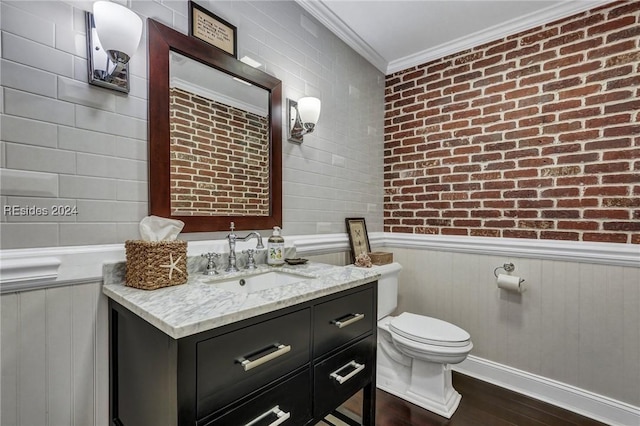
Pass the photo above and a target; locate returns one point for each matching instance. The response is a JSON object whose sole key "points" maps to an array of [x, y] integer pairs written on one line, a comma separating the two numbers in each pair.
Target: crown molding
{"points": [[336, 25], [496, 32], [214, 96]]}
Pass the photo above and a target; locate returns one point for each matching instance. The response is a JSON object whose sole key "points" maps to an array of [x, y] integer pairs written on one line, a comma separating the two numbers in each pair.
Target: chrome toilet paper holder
{"points": [[508, 267]]}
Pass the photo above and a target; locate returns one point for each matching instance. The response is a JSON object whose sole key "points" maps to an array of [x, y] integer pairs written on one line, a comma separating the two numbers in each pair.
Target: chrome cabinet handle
{"points": [[341, 324], [282, 417], [340, 379], [248, 364]]}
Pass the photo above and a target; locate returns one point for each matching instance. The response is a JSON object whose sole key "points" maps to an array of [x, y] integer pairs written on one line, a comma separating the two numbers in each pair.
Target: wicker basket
{"points": [[155, 264], [381, 257]]}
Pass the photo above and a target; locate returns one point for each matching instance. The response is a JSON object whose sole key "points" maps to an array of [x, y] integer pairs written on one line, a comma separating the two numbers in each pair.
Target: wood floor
{"points": [[483, 404]]}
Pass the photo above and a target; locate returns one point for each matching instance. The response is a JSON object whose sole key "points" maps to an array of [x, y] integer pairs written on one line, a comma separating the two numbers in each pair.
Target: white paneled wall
{"points": [[577, 323], [55, 357]]}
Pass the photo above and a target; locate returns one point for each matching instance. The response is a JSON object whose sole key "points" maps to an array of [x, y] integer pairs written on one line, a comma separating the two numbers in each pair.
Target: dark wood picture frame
{"points": [[219, 23], [358, 236]]}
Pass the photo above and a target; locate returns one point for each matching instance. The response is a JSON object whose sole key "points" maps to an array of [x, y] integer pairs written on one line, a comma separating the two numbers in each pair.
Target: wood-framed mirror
{"points": [[224, 164]]}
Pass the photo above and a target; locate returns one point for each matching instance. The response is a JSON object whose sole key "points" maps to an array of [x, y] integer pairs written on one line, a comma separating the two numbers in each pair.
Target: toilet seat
{"points": [[430, 331]]}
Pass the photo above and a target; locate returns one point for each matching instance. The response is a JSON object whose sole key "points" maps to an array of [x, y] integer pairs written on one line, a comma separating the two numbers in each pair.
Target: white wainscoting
{"points": [[576, 324], [576, 327], [55, 357]]}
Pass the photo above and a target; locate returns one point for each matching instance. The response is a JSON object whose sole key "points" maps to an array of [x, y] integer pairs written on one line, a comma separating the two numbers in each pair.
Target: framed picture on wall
{"points": [[358, 237], [212, 29]]}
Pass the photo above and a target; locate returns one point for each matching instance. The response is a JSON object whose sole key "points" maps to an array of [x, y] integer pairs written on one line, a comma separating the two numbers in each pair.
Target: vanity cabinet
{"points": [[292, 366]]}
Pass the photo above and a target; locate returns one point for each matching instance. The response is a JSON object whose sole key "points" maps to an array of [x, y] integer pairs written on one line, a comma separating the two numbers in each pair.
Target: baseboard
{"points": [[569, 397]]}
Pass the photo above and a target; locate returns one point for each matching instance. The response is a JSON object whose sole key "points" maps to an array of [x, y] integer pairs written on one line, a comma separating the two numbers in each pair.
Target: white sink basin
{"points": [[258, 282]]}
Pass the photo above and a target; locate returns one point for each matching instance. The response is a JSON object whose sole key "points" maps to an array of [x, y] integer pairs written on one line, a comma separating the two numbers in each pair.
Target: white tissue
{"points": [[155, 228]]}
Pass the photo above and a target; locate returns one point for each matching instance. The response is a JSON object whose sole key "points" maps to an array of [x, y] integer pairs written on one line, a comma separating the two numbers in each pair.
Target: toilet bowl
{"points": [[415, 351]]}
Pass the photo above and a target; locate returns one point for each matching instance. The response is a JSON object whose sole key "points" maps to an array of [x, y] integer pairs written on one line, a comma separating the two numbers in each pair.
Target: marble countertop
{"points": [[200, 305]]}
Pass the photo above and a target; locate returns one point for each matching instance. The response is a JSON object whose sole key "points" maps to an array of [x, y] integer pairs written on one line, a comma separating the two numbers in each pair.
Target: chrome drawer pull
{"points": [[340, 379], [341, 324], [282, 417], [248, 364]]}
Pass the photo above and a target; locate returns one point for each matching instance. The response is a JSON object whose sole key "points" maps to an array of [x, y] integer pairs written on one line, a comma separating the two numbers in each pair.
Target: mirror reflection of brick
{"points": [[219, 158]]}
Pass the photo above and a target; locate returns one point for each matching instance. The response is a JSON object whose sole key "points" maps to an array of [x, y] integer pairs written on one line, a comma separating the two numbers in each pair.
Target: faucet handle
{"points": [[211, 263], [251, 262]]}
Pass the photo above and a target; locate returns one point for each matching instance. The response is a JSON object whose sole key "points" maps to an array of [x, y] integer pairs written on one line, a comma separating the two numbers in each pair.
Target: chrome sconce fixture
{"points": [[302, 117], [113, 35]]}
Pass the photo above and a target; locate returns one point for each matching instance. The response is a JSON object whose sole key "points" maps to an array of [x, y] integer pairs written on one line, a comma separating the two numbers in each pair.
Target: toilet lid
{"points": [[429, 330]]}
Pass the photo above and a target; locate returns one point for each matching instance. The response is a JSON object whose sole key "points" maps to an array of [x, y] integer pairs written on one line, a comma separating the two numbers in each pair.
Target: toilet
{"points": [[415, 351]]}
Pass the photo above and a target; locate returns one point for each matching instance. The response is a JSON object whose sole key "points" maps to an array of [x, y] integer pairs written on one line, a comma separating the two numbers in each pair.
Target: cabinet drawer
{"points": [[235, 364], [340, 376], [289, 403], [341, 320]]}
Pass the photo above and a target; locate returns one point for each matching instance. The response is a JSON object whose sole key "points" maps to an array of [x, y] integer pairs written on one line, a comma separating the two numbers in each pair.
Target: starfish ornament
{"points": [[172, 265]]}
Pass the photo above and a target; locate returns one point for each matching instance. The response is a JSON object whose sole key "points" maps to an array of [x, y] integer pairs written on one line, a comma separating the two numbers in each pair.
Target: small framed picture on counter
{"points": [[212, 29], [358, 237]]}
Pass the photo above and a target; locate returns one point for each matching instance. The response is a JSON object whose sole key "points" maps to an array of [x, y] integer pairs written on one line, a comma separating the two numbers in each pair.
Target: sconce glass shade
{"points": [[113, 36], [309, 110], [119, 30], [302, 117]]}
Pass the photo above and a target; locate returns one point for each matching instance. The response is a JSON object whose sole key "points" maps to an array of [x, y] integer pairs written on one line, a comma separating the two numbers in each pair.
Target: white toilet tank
{"points": [[387, 288]]}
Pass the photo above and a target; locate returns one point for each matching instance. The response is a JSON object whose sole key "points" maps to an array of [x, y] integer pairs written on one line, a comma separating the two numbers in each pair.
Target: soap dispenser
{"points": [[275, 248]]}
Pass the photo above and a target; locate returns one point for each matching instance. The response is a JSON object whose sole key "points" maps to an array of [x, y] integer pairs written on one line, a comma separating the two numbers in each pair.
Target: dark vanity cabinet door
{"points": [[345, 350], [339, 321], [288, 402], [234, 364], [340, 376], [143, 370], [291, 367]]}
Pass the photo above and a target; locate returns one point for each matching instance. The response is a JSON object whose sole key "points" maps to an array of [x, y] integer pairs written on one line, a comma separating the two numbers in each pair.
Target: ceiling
{"points": [[396, 34]]}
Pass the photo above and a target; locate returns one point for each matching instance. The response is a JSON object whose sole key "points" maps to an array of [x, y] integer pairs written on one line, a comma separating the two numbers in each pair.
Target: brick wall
{"points": [[532, 136], [219, 158]]}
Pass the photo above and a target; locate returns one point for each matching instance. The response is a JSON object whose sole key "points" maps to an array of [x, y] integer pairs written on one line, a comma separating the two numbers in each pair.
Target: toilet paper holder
{"points": [[508, 267], [508, 281]]}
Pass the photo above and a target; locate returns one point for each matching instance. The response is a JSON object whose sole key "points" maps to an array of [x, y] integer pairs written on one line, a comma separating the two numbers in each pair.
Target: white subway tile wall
{"points": [[35, 184], [65, 142], [29, 132]]}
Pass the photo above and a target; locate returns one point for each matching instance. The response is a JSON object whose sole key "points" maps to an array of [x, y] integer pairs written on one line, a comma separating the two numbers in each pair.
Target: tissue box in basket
{"points": [[155, 264]]}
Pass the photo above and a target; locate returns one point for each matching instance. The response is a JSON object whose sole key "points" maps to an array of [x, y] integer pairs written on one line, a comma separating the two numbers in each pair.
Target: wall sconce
{"points": [[113, 35], [302, 117]]}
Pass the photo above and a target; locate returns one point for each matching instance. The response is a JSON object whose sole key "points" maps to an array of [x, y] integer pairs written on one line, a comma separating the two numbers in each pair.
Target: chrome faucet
{"points": [[232, 237]]}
